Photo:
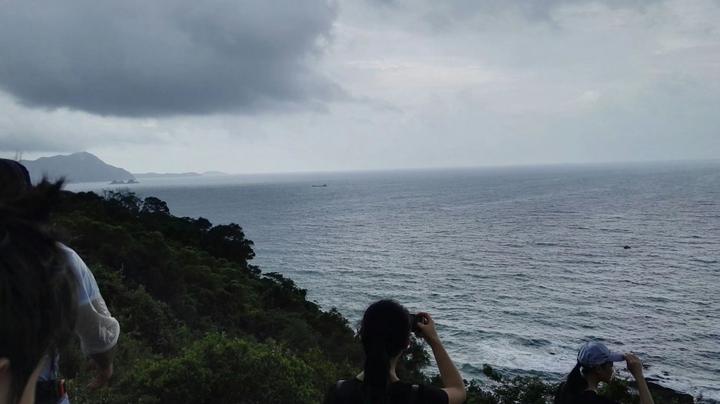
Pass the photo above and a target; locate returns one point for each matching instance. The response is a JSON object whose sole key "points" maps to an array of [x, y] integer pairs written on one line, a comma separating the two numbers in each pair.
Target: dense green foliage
{"points": [[220, 369], [200, 324]]}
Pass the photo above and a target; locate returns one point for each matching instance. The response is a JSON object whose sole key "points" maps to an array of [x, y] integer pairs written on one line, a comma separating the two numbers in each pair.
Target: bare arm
{"points": [[636, 369], [103, 363], [450, 376]]}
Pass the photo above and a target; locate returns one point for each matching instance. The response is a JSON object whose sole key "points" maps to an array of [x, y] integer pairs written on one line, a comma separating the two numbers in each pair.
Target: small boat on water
{"points": [[320, 186]]}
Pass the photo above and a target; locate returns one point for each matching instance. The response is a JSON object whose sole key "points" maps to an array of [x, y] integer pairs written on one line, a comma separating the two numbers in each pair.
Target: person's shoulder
{"points": [[348, 391], [342, 391], [65, 249], [349, 384], [433, 394], [424, 393], [71, 257], [591, 397]]}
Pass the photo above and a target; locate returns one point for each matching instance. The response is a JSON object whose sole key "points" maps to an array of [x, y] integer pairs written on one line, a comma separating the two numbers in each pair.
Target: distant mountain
{"points": [[76, 167]]}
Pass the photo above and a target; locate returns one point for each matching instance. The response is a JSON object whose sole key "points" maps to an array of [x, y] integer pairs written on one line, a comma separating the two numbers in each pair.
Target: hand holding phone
{"points": [[423, 326]]}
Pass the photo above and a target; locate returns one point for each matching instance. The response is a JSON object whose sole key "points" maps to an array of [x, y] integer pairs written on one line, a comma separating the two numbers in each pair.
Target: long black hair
{"points": [[385, 332], [37, 291], [572, 386]]}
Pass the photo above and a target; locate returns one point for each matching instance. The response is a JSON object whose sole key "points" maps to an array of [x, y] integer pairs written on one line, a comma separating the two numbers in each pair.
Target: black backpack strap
{"points": [[414, 389]]}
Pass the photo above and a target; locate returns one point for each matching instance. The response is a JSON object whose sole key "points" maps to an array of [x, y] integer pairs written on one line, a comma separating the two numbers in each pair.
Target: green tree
{"points": [[153, 205]]}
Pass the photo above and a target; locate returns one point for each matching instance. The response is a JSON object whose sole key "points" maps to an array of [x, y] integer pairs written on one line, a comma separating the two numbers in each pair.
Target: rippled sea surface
{"points": [[517, 265]]}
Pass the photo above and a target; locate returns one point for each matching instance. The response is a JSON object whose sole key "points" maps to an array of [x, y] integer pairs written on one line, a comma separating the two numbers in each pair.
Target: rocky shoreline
{"points": [[665, 394]]}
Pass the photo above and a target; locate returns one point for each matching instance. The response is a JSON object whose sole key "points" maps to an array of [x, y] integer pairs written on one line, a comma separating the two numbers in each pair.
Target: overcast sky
{"points": [[287, 85]]}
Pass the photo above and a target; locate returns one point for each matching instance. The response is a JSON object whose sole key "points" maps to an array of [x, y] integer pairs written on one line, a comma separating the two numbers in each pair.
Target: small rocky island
{"points": [[121, 182]]}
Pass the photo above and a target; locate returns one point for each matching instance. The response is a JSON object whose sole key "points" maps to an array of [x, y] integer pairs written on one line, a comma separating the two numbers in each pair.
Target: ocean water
{"points": [[517, 265]]}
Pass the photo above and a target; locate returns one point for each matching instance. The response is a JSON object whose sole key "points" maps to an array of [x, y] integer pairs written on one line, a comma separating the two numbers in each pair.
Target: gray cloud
{"points": [[485, 14], [23, 142], [152, 58], [62, 130]]}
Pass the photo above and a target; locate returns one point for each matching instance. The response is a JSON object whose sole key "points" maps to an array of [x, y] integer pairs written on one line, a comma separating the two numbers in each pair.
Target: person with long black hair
{"points": [[97, 329], [37, 293], [385, 334], [595, 365]]}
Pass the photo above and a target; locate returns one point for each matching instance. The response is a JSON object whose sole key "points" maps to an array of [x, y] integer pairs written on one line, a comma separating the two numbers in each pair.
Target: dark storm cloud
{"points": [[151, 58]]}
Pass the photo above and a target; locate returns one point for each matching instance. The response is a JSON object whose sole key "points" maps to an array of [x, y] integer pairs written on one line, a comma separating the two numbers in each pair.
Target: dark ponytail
{"points": [[37, 291], [376, 370], [573, 385], [384, 333]]}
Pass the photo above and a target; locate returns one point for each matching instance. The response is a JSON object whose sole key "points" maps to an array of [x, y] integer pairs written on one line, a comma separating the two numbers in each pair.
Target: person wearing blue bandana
{"points": [[594, 366]]}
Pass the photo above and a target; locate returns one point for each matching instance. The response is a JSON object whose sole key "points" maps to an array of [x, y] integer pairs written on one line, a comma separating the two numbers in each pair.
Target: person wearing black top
{"points": [[385, 333], [595, 365]]}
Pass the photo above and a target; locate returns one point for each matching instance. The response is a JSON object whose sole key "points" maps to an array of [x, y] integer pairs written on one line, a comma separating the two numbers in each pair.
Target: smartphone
{"points": [[414, 321]]}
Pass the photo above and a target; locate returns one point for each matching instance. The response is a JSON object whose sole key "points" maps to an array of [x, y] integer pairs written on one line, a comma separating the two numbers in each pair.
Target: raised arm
{"points": [[450, 376], [636, 369]]}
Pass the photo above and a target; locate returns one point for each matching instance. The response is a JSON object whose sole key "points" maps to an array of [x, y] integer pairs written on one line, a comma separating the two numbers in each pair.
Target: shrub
{"points": [[219, 369]]}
